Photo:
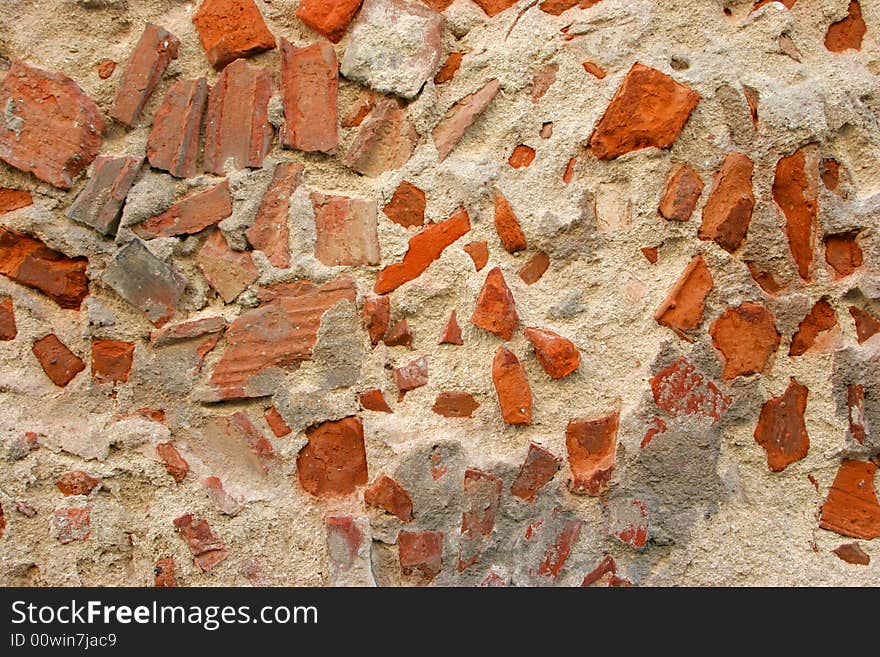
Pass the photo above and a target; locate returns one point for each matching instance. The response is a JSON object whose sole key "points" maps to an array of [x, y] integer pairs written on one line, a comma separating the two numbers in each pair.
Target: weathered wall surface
{"points": [[230, 259]]}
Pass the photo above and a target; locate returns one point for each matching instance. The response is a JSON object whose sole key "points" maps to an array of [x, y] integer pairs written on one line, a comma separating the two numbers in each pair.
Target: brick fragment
{"points": [[407, 206], [346, 230], [73, 524], [377, 316], [362, 106], [399, 335], [206, 547], [59, 363], [649, 109], [143, 70], [848, 32], [556, 7], [105, 68], [493, 580], [796, 192], [349, 541], [451, 331], [77, 482], [13, 199], [568, 174], [851, 508], [270, 232], [411, 376], [650, 253], [543, 80], [99, 204], [334, 462], [328, 17], [494, 7], [829, 171], [606, 566], [682, 310], [512, 387], [258, 443], [556, 354], [481, 496], [461, 116], [781, 430], [237, 120], [866, 324], [229, 29], [521, 157], [229, 272], [8, 329], [450, 68], [538, 469], [222, 500], [386, 494], [54, 141], [384, 141], [843, 253], [173, 144], [424, 248], [276, 423], [420, 553], [747, 338], [592, 453], [534, 269], [813, 329], [451, 403], [855, 406], [190, 215], [28, 261], [681, 389], [111, 360], [310, 90], [594, 69], [495, 310], [187, 330], [558, 549], [683, 190], [629, 523], [507, 226], [728, 210], [164, 573], [374, 400], [852, 553], [479, 253], [765, 280], [175, 464]]}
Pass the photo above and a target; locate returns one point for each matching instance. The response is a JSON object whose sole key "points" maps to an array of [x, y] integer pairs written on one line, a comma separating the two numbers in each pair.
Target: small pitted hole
{"points": [[679, 63]]}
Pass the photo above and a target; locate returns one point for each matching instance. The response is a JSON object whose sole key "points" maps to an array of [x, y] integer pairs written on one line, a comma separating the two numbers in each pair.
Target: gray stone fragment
{"points": [[99, 204]]}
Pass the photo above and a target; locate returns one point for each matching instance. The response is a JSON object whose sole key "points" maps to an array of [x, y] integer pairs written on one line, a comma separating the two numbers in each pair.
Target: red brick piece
{"points": [[377, 315], [407, 206], [363, 105], [399, 335], [173, 144], [852, 553], [55, 140], [606, 566], [507, 226], [747, 338], [229, 272], [13, 199], [568, 174], [420, 552], [374, 400], [111, 360], [175, 464], [450, 68], [8, 330], [512, 387], [855, 405], [683, 190], [187, 330], [630, 523], [237, 120], [424, 248], [818, 321], [558, 551], [206, 547], [847, 33], [310, 89], [482, 494], [543, 80], [386, 494], [851, 508], [728, 210], [557, 355], [411, 376], [105, 68], [229, 29], [796, 192], [495, 7], [592, 453], [521, 157], [682, 310], [479, 253], [451, 403], [451, 331], [328, 17], [334, 462], [681, 389], [143, 70], [384, 141], [781, 430], [534, 269], [843, 253], [866, 324], [649, 110], [650, 253], [190, 215], [77, 482], [270, 232], [255, 439], [99, 204], [58, 362], [496, 310], [164, 573], [276, 422], [461, 116], [346, 228], [73, 524], [556, 7], [765, 280], [536, 472]]}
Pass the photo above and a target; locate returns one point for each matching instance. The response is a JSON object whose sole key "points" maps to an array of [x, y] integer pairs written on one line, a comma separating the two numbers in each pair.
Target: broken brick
{"points": [[605, 567], [13, 199], [424, 248], [175, 464], [728, 210], [543, 80], [173, 144], [99, 204], [629, 523], [236, 120], [111, 360], [349, 542], [229, 272], [558, 550], [229, 29], [190, 215], [495, 310], [843, 253], [449, 69], [493, 580], [386, 494], [270, 232], [568, 174], [681, 389], [855, 407], [145, 282], [105, 68], [28, 261], [451, 128], [682, 310], [164, 573], [187, 330], [683, 190], [407, 206], [507, 226], [852, 553], [765, 280], [494, 7], [479, 253], [346, 230], [455, 404], [595, 70], [334, 462], [534, 269], [813, 328], [222, 501], [866, 324], [556, 7], [796, 192], [847, 33], [650, 253], [374, 400], [74, 524], [310, 89], [377, 316], [649, 109], [328, 17], [747, 338], [8, 329], [359, 110], [411, 376], [257, 442], [592, 452], [851, 508], [206, 547], [143, 70], [276, 423], [384, 141], [521, 157], [781, 430], [77, 482], [399, 335], [451, 331], [557, 355], [420, 552], [481, 496], [55, 140], [539, 467], [512, 387], [58, 362]]}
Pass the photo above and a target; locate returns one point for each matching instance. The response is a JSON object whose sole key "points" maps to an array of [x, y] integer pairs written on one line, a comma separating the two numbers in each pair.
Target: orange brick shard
{"points": [[173, 144], [77, 482], [310, 89], [420, 553], [538, 469], [818, 322], [848, 32], [556, 354], [346, 230], [451, 331], [747, 338], [681, 389], [479, 253], [384, 141], [728, 210], [507, 226], [682, 310], [377, 316], [111, 360], [683, 190], [451, 128], [206, 547], [8, 329], [386, 494], [175, 464], [407, 206], [374, 400], [843, 253], [270, 232], [189, 215], [534, 269], [495, 310], [451, 403], [229, 29], [796, 192], [866, 324], [512, 387], [781, 430], [334, 462], [851, 508], [411, 376], [328, 17], [481, 496], [592, 453], [59, 363], [229, 272], [13, 199]]}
